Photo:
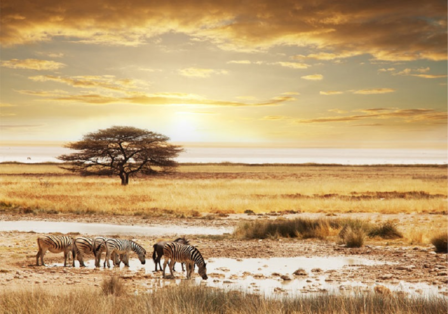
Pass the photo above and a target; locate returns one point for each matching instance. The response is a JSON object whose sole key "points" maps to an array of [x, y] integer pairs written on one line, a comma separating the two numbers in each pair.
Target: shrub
{"points": [[440, 242]]}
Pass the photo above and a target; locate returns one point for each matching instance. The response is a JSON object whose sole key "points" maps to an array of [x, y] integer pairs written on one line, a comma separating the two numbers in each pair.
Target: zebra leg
{"points": [[125, 259], [42, 257], [65, 258], [106, 260], [164, 266], [38, 256], [172, 267]]}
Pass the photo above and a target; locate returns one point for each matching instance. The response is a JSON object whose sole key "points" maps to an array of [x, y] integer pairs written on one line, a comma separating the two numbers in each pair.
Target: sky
{"points": [[318, 73]]}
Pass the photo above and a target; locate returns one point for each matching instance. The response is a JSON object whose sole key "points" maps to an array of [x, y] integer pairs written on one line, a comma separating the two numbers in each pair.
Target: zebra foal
{"points": [[122, 248], [55, 244], [177, 252]]}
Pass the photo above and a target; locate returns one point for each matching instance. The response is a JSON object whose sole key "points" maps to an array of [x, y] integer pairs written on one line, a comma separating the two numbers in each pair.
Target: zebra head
{"points": [[142, 256], [202, 271]]}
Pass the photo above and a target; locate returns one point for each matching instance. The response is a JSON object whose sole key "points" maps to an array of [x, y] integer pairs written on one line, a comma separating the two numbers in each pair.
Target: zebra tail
{"points": [[154, 253], [98, 248]]}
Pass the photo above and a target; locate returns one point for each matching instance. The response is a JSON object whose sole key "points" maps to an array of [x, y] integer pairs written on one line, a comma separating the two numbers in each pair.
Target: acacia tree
{"points": [[121, 150]]}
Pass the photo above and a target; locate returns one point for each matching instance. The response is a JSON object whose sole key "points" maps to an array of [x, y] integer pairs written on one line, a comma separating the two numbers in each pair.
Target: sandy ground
{"points": [[412, 264]]}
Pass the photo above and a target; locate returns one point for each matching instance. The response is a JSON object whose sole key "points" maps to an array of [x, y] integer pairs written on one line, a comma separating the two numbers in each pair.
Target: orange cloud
{"points": [[404, 30], [32, 64]]}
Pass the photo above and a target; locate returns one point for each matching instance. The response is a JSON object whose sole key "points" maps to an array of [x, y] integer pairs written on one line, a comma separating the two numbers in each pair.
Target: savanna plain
{"points": [[394, 216]]}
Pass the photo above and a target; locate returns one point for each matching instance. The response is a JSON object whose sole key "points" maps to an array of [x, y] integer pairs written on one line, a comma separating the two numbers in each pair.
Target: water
{"points": [[255, 275], [107, 229], [258, 155]]}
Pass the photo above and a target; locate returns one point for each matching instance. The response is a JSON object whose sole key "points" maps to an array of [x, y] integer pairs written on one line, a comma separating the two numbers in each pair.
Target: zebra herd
{"points": [[118, 251]]}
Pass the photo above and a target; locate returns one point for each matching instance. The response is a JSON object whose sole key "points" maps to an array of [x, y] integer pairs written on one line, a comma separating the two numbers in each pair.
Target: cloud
{"points": [[331, 92], [374, 91], [141, 98], [327, 55], [2, 104], [274, 118], [293, 65], [199, 72], [404, 30], [412, 72], [101, 81], [239, 62], [291, 93], [19, 126], [313, 77], [32, 64], [409, 115], [429, 76]]}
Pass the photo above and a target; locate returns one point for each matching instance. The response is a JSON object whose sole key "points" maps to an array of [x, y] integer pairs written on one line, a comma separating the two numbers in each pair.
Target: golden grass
{"points": [[198, 299], [229, 189]]}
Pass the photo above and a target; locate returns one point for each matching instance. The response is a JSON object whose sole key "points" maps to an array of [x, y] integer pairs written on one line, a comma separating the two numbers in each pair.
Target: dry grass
{"points": [[198, 299], [198, 189]]}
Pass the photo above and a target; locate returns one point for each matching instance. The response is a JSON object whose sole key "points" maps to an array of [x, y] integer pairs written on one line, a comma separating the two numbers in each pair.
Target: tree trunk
{"points": [[124, 178]]}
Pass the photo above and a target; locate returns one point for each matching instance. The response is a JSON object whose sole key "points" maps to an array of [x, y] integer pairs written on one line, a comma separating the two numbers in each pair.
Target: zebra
{"points": [[158, 251], [85, 245], [177, 252], [98, 249], [121, 248], [55, 244]]}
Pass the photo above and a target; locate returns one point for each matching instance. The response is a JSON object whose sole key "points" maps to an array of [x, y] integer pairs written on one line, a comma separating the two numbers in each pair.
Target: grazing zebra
{"points": [[122, 248], [177, 252], [85, 245], [55, 244], [158, 252]]}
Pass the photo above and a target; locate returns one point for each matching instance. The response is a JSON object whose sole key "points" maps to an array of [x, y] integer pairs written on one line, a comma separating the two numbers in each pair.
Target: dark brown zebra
{"points": [[55, 244], [177, 252]]}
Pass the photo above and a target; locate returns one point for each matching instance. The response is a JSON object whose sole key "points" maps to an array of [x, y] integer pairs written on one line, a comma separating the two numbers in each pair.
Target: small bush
{"points": [[113, 285], [387, 230], [441, 242]]}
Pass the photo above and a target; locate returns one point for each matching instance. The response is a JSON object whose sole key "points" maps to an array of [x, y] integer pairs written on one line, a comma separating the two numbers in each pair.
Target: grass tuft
{"points": [[387, 230]]}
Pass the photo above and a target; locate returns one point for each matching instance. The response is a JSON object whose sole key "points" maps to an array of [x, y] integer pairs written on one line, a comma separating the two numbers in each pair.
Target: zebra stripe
{"points": [[55, 244], [122, 248], [177, 252], [85, 245]]}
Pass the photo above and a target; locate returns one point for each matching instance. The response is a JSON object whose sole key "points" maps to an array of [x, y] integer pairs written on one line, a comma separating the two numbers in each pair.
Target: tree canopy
{"points": [[123, 151]]}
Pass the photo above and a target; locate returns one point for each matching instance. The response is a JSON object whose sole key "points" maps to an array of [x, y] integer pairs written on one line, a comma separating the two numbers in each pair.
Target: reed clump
{"points": [[113, 286], [440, 242]]}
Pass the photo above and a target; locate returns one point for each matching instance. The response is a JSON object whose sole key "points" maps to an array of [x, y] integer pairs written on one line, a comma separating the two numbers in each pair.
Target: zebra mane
{"points": [[199, 255], [139, 246]]}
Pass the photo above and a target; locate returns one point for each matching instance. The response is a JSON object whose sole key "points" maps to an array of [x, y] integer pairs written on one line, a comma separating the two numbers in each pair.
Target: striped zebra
{"points": [[177, 252], [85, 245], [122, 248], [158, 251], [55, 244]]}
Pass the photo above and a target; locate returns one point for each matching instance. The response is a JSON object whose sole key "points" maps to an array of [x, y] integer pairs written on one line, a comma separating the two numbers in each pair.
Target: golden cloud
{"points": [[331, 92], [158, 99], [403, 30], [103, 81], [273, 118], [374, 91], [409, 115], [199, 72], [313, 77], [239, 62], [32, 64], [293, 65]]}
